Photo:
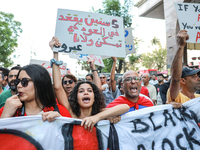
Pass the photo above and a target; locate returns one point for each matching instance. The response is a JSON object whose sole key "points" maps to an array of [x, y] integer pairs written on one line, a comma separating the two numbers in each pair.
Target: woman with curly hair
{"points": [[85, 100]]}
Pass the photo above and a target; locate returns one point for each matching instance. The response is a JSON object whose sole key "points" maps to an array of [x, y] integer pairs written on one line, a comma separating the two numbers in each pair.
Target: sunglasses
{"points": [[67, 81], [102, 77], [108, 80], [24, 81], [11, 76]]}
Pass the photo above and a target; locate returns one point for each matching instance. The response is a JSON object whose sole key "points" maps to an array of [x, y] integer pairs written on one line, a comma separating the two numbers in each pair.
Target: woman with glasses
{"points": [[35, 95]]}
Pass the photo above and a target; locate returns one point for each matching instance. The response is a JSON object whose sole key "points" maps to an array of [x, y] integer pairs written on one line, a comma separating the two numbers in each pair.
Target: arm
{"points": [[176, 67], [112, 75], [89, 122], [59, 91], [96, 79]]}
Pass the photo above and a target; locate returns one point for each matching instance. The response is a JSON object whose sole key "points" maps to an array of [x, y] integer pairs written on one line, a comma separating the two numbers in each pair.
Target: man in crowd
{"points": [[2, 89], [131, 83], [12, 91], [103, 81], [151, 88], [184, 81], [160, 79], [5, 72], [166, 78], [153, 80]]}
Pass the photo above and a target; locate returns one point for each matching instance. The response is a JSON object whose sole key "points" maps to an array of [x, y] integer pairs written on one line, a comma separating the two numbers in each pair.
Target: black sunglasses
{"points": [[108, 80], [11, 76], [69, 81], [24, 81]]}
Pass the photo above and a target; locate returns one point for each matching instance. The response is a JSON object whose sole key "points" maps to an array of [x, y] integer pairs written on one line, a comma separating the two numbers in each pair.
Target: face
{"points": [[11, 77], [85, 96], [160, 79], [103, 78], [145, 78], [26, 93], [153, 77], [193, 82], [133, 88], [88, 78], [108, 81], [68, 85], [1, 81]]}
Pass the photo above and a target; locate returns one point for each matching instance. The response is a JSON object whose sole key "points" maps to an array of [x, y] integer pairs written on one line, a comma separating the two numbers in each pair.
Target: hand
{"points": [[114, 59], [154, 101], [176, 105], [89, 122], [50, 115], [91, 62], [54, 42], [182, 36], [114, 119], [12, 104]]}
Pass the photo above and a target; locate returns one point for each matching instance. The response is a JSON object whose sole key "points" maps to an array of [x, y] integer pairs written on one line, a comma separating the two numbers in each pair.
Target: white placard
{"points": [[97, 59], [46, 65], [130, 48], [188, 18], [90, 33]]}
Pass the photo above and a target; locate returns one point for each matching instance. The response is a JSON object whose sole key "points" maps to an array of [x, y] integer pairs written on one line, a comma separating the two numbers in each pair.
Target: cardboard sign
{"points": [[130, 48], [89, 33], [46, 65], [188, 18], [153, 128], [97, 59]]}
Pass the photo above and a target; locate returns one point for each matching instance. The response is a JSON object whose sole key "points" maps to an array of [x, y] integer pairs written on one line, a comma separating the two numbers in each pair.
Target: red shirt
{"points": [[63, 111], [144, 91]]}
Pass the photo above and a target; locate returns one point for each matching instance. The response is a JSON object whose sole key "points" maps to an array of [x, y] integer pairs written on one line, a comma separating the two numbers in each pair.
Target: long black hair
{"points": [[99, 102], [42, 84]]}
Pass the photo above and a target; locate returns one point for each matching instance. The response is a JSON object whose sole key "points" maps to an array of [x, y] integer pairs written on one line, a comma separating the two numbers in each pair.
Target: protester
{"points": [[153, 80], [160, 79], [111, 92], [12, 91], [35, 95], [184, 81], [132, 86], [89, 77], [2, 89], [163, 91], [166, 78], [151, 88], [144, 91], [5, 72], [104, 84]]}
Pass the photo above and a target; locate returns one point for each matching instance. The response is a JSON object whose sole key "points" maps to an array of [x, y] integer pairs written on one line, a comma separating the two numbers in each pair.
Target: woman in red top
{"points": [[35, 95]]}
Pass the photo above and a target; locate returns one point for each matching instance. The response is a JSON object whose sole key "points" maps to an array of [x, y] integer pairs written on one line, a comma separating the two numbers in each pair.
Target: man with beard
{"points": [[160, 79], [12, 91], [184, 81], [131, 83]]}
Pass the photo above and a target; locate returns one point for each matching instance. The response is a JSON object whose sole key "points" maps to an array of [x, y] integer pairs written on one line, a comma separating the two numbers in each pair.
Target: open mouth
{"points": [[20, 93], [133, 89], [86, 99]]}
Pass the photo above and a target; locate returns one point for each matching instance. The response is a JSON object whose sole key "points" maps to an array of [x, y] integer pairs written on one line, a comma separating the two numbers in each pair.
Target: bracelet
{"points": [[94, 70], [54, 61]]}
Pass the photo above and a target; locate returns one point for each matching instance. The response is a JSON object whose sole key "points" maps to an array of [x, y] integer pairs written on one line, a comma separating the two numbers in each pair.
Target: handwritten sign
{"points": [[129, 45], [97, 59], [46, 65], [89, 33], [189, 19], [154, 128]]}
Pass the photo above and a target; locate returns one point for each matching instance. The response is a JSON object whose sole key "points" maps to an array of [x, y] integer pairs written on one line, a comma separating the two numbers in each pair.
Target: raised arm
{"points": [[59, 91], [176, 67], [112, 75], [96, 78], [89, 122]]}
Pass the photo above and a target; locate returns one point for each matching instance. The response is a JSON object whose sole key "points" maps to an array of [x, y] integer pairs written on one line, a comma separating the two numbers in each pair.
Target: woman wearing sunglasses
{"points": [[68, 83], [35, 95]]}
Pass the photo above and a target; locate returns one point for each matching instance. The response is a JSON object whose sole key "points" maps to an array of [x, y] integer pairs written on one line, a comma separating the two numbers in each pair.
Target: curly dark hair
{"points": [[99, 102]]}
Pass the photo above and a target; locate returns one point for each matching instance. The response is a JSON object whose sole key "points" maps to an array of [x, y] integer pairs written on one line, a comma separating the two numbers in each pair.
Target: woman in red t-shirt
{"points": [[35, 95]]}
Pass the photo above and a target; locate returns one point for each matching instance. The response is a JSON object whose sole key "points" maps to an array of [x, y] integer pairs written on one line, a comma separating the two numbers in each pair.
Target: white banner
{"points": [[153, 128], [188, 18], [46, 65], [129, 45], [97, 59], [90, 33]]}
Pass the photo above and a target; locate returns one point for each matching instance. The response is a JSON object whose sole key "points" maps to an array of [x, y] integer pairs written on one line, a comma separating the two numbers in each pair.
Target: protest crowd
{"points": [[29, 91]]}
